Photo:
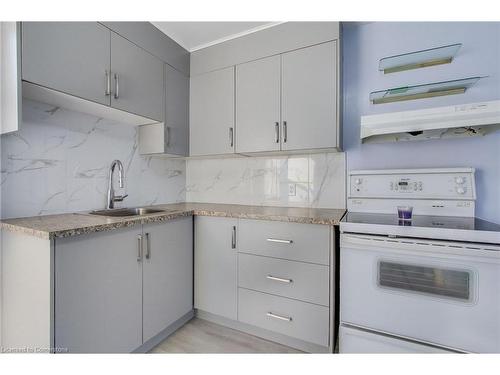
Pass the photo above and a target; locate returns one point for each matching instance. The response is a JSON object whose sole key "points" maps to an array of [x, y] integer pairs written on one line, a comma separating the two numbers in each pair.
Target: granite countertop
{"points": [[73, 224]]}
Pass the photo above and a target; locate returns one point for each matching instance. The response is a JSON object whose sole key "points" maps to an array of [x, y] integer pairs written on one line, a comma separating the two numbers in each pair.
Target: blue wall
{"points": [[365, 44]]}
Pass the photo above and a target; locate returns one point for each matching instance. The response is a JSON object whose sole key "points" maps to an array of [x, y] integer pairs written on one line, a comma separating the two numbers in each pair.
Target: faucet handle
{"points": [[120, 198]]}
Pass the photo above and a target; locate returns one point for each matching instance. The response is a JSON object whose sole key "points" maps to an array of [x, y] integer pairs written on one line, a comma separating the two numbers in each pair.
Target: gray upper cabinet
{"points": [[176, 112], [72, 57], [89, 61], [137, 79], [258, 105], [172, 137], [309, 98], [168, 274], [215, 265], [211, 109], [98, 292]]}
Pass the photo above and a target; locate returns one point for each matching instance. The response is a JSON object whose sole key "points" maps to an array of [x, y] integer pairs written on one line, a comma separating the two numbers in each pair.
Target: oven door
{"points": [[439, 292]]}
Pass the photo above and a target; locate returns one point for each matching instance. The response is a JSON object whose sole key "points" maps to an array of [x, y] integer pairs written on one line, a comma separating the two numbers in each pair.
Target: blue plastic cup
{"points": [[405, 212]]}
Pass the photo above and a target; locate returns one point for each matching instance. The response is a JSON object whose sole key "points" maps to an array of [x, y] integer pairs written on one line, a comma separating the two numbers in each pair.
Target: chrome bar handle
{"points": [[139, 247], [279, 241], [280, 317], [107, 83], [285, 132], [231, 137], [281, 280], [117, 87], [233, 237], [277, 131], [148, 247]]}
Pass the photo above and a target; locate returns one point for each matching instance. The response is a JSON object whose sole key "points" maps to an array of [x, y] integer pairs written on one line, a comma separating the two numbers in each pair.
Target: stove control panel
{"points": [[449, 183], [406, 185]]}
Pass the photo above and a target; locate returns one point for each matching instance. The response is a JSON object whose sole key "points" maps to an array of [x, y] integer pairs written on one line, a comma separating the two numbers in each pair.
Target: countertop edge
{"points": [[270, 217], [130, 222]]}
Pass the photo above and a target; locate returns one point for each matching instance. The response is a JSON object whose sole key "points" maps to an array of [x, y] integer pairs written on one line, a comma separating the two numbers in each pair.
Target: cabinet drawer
{"points": [[303, 242], [303, 281], [300, 320]]}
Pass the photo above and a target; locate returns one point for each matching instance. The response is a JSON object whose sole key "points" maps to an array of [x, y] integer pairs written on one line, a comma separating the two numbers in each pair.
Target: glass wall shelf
{"points": [[429, 90], [419, 59]]}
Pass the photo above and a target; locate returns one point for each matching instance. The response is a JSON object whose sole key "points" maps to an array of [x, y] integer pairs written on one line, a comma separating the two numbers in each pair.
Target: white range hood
{"points": [[442, 122]]}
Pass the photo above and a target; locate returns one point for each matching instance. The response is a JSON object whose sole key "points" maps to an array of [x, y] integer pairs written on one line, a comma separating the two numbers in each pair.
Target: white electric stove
{"points": [[430, 284]]}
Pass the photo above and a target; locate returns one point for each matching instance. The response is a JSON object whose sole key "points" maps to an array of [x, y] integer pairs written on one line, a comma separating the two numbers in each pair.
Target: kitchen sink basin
{"points": [[123, 212]]}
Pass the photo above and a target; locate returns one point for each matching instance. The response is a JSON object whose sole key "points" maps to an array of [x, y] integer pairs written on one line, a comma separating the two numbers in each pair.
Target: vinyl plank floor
{"points": [[201, 336]]}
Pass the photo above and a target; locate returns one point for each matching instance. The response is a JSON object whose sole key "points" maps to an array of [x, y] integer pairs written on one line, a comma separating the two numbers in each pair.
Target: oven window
{"points": [[428, 280]]}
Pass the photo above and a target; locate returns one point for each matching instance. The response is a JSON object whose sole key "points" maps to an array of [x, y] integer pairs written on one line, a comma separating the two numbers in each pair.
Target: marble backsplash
{"points": [[59, 161], [316, 180]]}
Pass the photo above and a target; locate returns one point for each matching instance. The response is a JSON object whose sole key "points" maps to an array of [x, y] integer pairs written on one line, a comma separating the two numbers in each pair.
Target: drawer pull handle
{"points": [[279, 241], [280, 317], [271, 277]]}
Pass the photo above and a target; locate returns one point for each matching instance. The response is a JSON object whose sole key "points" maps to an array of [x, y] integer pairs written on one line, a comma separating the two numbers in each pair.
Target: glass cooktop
{"points": [[421, 221]]}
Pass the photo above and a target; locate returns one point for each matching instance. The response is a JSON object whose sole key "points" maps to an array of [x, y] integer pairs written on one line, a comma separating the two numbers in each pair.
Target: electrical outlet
{"points": [[292, 190]]}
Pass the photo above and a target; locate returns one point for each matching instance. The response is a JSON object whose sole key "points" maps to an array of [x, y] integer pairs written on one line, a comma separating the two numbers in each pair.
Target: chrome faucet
{"points": [[112, 198]]}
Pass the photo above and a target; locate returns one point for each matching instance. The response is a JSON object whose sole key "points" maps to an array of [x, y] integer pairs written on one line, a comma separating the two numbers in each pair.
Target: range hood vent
{"points": [[442, 122]]}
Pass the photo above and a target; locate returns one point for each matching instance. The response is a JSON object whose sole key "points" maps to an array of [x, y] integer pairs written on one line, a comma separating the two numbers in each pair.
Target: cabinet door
{"points": [[212, 113], [137, 79], [258, 105], [168, 274], [98, 292], [309, 97], [176, 112], [72, 57], [215, 266]]}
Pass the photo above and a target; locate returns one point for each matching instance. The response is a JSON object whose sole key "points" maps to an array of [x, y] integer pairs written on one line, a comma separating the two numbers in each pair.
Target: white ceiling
{"points": [[196, 35]]}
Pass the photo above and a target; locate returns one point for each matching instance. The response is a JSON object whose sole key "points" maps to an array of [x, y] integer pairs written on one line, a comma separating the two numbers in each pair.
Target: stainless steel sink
{"points": [[123, 212]]}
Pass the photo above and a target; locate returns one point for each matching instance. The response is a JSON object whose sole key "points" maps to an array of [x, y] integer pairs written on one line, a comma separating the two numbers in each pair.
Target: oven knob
{"points": [[459, 180], [460, 190]]}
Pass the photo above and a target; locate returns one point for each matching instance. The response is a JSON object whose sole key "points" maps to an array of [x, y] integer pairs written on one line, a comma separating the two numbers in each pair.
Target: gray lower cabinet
{"points": [[137, 79], [72, 57], [215, 264], [211, 113], [116, 290], [284, 279], [309, 98], [98, 292], [167, 274], [258, 105], [268, 278]]}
